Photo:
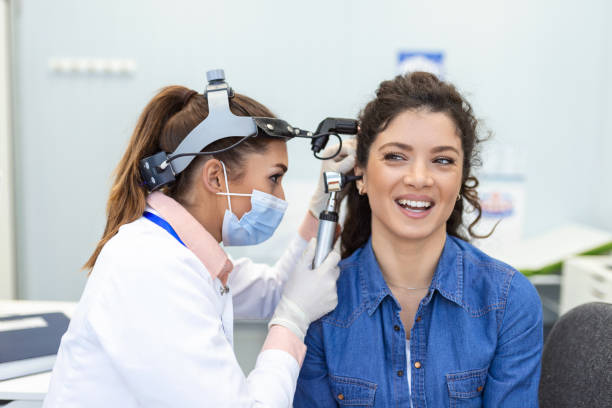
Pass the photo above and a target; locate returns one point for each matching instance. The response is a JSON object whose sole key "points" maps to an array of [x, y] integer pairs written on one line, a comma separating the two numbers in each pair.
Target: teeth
{"points": [[414, 204]]}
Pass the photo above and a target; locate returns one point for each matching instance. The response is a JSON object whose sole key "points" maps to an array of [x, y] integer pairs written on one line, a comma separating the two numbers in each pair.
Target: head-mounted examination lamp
{"points": [[161, 168]]}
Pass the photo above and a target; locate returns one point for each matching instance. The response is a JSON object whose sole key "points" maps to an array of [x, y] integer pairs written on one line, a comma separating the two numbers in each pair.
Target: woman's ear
{"points": [[212, 176], [360, 184]]}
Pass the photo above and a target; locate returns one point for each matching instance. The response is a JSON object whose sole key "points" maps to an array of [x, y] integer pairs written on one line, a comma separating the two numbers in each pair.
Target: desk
{"points": [[31, 387]]}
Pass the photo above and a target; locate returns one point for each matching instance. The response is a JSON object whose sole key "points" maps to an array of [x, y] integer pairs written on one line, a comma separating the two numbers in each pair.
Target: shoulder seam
{"points": [[506, 293]]}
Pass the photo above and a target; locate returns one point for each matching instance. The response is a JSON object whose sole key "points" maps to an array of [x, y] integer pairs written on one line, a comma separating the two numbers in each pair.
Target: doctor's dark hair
{"points": [[163, 124], [415, 91]]}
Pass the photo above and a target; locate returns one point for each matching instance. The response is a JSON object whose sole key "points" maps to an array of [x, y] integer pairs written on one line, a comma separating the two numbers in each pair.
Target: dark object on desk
{"points": [[29, 343], [577, 359]]}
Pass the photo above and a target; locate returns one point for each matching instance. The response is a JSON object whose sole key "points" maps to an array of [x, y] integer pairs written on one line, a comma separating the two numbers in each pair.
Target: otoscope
{"points": [[328, 219]]}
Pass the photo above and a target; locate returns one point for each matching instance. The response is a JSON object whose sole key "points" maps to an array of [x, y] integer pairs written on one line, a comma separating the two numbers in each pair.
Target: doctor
{"points": [[154, 325]]}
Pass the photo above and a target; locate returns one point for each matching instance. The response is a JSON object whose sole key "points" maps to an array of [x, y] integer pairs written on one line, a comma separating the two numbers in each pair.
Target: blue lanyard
{"points": [[164, 224]]}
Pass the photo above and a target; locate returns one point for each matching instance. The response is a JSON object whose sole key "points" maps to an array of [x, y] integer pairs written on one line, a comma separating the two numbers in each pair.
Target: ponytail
{"points": [[127, 199]]}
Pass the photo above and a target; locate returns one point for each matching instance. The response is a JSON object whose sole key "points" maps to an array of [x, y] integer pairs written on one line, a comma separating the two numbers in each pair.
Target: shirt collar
{"points": [[447, 279], [193, 234], [373, 285]]}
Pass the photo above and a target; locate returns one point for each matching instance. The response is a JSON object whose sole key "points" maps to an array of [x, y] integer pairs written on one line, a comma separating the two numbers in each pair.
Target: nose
{"points": [[418, 175], [281, 193]]}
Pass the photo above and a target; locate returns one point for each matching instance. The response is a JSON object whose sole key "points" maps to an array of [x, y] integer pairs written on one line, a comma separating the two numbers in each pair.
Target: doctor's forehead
{"points": [[275, 155]]}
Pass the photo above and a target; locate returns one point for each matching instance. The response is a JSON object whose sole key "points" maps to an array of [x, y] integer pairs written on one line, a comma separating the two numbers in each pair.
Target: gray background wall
{"points": [[7, 233], [536, 71], [604, 204]]}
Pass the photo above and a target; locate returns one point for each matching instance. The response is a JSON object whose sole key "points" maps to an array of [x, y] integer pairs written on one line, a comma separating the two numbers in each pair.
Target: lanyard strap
{"points": [[164, 224]]}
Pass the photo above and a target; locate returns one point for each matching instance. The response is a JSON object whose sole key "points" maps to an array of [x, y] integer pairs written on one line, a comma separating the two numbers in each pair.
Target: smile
{"points": [[415, 208]]}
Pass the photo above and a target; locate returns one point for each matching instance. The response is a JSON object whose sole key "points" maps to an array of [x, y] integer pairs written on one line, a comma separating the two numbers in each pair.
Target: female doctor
{"points": [[154, 325]]}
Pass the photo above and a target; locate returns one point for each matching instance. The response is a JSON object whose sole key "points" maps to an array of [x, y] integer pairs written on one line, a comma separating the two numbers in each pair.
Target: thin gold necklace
{"points": [[404, 287]]}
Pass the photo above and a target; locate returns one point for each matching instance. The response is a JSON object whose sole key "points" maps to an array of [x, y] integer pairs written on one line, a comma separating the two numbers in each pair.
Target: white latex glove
{"points": [[342, 163], [309, 293]]}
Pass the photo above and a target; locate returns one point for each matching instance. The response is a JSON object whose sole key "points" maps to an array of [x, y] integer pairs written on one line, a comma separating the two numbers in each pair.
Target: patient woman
{"points": [[424, 319]]}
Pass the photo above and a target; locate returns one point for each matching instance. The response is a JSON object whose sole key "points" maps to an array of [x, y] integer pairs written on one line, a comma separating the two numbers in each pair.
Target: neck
{"points": [[205, 211], [407, 262]]}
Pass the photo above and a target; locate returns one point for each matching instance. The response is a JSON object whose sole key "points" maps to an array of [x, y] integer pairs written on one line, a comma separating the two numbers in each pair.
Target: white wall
{"points": [[604, 202], [7, 249], [534, 70]]}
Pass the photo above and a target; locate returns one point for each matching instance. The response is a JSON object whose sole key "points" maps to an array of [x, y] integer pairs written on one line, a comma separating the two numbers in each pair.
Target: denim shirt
{"points": [[476, 339]]}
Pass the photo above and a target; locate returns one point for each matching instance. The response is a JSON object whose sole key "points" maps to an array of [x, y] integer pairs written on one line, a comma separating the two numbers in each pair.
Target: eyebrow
{"points": [[404, 146], [439, 149], [282, 167]]}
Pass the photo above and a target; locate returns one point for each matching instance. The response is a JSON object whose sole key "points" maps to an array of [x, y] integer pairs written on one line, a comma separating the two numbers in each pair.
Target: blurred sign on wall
{"points": [[411, 61], [502, 197]]}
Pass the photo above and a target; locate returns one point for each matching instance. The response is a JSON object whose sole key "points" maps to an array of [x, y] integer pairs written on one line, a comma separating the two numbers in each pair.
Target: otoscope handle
{"points": [[325, 237]]}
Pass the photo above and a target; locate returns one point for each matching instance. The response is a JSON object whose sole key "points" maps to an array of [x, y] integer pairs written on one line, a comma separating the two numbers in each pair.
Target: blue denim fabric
{"points": [[477, 338]]}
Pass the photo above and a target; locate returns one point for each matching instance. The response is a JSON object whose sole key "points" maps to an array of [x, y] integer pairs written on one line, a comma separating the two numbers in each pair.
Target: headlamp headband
{"points": [[161, 168]]}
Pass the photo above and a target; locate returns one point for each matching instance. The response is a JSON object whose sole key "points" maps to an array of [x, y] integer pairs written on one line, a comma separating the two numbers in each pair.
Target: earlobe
{"points": [[360, 184]]}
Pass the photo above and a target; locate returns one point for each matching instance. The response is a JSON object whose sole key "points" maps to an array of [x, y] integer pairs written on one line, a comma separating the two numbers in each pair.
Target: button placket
{"points": [[399, 363], [419, 350]]}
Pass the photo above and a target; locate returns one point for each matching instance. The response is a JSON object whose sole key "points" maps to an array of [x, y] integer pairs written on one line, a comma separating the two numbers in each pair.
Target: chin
{"points": [[414, 234], [401, 228], [415, 230]]}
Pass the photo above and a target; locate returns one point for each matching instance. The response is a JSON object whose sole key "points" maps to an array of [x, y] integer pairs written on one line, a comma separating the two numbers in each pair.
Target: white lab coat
{"points": [[153, 329]]}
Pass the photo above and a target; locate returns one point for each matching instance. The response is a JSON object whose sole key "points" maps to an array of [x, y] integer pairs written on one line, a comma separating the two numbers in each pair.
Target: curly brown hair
{"points": [[417, 90]]}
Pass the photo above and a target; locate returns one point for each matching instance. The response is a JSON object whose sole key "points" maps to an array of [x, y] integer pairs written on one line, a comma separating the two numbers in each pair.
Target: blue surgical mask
{"points": [[256, 225]]}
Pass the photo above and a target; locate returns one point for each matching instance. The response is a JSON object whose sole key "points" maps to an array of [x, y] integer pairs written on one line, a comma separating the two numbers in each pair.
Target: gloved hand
{"points": [[342, 163], [309, 293]]}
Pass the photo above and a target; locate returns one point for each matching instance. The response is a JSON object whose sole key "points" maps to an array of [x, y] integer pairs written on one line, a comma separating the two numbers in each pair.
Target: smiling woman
{"points": [[429, 320]]}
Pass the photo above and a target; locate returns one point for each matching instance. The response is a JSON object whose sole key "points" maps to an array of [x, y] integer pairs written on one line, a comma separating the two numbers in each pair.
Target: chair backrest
{"points": [[577, 359]]}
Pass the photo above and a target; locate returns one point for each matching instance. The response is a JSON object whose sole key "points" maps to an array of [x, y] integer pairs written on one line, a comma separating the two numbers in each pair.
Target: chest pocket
{"points": [[465, 388], [353, 392]]}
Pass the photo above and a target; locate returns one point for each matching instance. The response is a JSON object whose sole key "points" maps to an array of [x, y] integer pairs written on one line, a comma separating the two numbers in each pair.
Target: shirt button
{"points": [[400, 373], [396, 328], [419, 319], [417, 365], [340, 397]]}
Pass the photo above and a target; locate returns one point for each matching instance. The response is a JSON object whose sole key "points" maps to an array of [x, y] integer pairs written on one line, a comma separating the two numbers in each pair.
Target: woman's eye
{"points": [[444, 160], [275, 178], [393, 156]]}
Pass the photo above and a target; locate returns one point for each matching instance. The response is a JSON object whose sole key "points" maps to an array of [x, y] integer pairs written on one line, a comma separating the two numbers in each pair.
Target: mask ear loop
{"points": [[229, 201], [228, 194]]}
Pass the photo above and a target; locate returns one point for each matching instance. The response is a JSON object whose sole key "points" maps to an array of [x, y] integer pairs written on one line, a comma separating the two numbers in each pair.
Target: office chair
{"points": [[577, 359]]}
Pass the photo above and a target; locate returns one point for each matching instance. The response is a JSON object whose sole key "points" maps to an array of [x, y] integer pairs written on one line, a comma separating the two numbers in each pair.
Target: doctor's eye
{"points": [[276, 177]]}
